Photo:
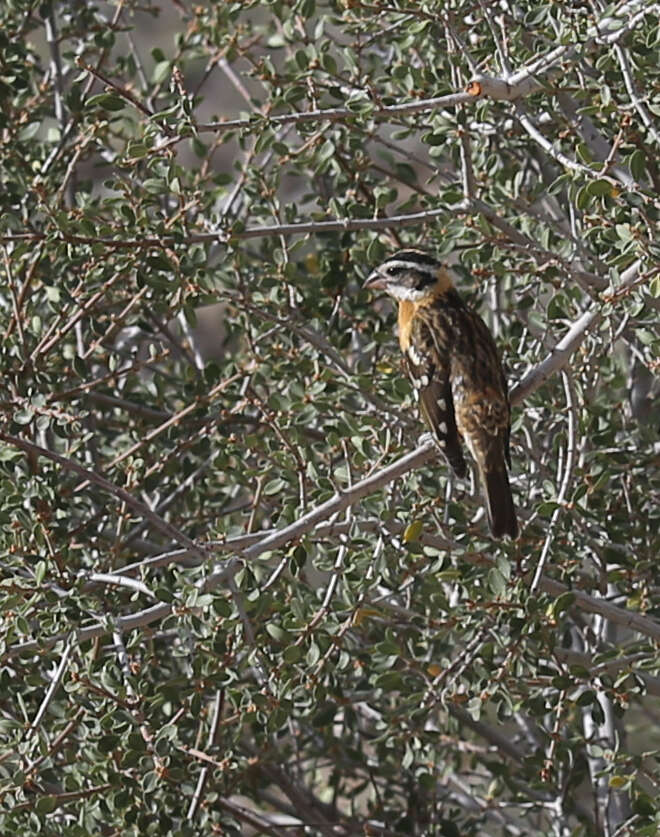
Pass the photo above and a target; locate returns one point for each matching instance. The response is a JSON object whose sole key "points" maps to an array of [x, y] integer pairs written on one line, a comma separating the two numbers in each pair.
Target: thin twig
{"points": [[599, 147], [637, 103], [121, 494], [638, 622], [16, 314], [569, 390], [54, 684], [528, 79], [339, 114], [124, 665], [210, 743], [166, 502], [122, 92], [467, 170], [55, 745], [550, 148], [50, 26], [613, 666]]}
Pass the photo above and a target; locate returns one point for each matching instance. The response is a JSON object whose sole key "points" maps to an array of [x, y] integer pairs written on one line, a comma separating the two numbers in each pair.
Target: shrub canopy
{"points": [[239, 594]]}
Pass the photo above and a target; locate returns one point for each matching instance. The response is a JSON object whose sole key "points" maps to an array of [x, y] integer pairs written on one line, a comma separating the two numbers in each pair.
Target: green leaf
{"points": [[624, 232], [599, 188], [276, 632], [563, 603], [45, 804], [107, 101], [643, 805], [29, 131], [637, 163], [39, 572], [408, 758], [587, 698], [359, 104], [473, 707], [306, 8], [161, 72], [159, 261], [559, 184], [292, 654], [583, 198], [326, 151], [496, 581], [23, 416], [274, 486], [325, 714], [654, 286]]}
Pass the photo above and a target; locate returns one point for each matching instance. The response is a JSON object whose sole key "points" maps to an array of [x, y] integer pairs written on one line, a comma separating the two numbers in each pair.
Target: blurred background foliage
{"points": [[189, 362]]}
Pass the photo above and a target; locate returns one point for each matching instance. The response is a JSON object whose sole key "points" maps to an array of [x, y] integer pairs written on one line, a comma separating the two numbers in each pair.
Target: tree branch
{"points": [[560, 354], [527, 79], [121, 494], [535, 378], [612, 666], [339, 114]]}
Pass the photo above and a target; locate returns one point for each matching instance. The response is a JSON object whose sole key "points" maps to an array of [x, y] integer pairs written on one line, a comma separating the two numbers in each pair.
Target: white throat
{"points": [[407, 294]]}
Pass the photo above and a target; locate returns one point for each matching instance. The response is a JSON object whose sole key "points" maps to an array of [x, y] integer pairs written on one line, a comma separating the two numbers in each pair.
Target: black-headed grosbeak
{"points": [[456, 374]]}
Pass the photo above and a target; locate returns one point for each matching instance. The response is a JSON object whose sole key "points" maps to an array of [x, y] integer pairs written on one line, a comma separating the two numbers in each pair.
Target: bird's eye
{"points": [[395, 270]]}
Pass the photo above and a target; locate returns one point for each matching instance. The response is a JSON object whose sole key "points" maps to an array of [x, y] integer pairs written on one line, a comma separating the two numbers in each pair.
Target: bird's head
{"points": [[411, 275]]}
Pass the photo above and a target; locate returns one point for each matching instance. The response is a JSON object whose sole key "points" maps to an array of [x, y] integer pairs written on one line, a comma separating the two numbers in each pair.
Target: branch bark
{"points": [[338, 503], [574, 337], [528, 79]]}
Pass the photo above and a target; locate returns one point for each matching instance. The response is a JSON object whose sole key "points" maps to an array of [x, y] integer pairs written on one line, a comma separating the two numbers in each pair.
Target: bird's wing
{"points": [[478, 385], [428, 367], [482, 415]]}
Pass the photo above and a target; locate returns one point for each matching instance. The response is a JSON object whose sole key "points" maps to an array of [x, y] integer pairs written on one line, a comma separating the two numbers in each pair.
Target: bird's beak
{"points": [[376, 281]]}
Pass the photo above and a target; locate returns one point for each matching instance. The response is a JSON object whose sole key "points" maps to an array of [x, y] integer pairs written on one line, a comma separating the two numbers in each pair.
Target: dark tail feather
{"points": [[499, 502]]}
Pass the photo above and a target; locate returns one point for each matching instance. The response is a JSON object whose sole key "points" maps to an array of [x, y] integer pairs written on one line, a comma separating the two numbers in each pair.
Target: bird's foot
{"points": [[427, 438]]}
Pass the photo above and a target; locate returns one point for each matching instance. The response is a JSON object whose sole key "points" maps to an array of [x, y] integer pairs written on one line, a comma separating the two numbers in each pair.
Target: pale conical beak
{"points": [[376, 281]]}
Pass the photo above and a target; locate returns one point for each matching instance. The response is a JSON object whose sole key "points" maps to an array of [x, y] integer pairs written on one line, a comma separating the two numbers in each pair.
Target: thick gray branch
{"points": [[573, 338], [528, 79]]}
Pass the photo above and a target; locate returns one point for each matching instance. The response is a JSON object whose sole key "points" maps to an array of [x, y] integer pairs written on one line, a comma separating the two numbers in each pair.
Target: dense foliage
{"points": [[210, 623]]}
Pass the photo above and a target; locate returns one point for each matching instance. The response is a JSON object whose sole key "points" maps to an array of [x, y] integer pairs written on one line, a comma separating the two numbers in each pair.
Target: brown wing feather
{"points": [[483, 416], [429, 372], [453, 362]]}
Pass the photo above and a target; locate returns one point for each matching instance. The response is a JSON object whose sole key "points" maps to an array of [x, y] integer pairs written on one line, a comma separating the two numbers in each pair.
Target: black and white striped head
{"points": [[410, 275]]}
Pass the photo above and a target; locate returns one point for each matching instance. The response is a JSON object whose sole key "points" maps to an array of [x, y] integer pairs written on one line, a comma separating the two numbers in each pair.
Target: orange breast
{"points": [[406, 314]]}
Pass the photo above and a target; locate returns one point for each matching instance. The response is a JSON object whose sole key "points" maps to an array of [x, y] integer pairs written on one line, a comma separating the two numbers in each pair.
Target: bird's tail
{"points": [[499, 502]]}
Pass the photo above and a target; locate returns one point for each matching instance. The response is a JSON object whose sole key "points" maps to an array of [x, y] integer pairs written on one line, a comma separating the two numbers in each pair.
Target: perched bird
{"points": [[455, 370]]}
